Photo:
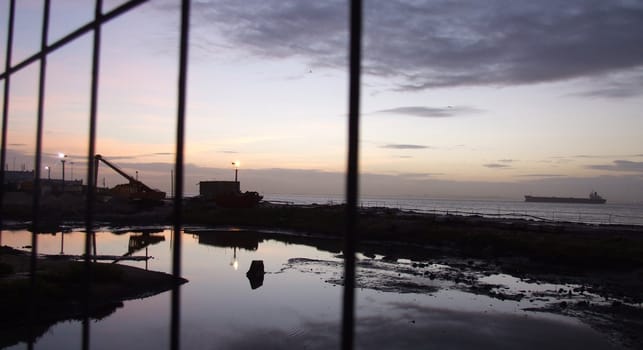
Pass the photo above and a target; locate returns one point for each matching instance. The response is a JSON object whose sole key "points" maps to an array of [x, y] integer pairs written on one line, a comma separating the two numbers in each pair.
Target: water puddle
{"points": [[442, 302]]}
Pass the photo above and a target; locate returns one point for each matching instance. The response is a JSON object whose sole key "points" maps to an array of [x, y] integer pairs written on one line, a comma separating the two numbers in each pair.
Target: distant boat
{"points": [[593, 198]]}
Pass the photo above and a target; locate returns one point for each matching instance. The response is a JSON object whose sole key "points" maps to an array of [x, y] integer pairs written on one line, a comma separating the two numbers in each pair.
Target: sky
{"points": [[460, 99]]}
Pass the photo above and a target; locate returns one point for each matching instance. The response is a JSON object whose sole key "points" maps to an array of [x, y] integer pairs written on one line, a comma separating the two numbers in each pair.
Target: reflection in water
{"points": [[426, 302], [235, 262], [62, 242], [228, 239], [14, 334], [236, 239], [138, 242]]}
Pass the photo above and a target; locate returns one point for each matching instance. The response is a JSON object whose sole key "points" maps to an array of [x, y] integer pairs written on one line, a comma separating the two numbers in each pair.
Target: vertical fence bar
{"points": [[348, 310], [39, 125], [5, 104], [91, 188], [175, 322], [37, 188]]}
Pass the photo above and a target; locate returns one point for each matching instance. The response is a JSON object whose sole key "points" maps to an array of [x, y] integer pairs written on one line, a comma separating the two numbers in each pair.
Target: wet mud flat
{"points": [[619, 321], [605, 295], [60, 292]]}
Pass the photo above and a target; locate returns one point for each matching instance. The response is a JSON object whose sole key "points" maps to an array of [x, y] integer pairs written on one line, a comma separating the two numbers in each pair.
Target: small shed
{"points": [[212, 189]]}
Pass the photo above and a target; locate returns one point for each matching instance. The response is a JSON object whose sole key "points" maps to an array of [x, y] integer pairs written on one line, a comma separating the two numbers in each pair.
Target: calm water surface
{"points": [[298, 305]]}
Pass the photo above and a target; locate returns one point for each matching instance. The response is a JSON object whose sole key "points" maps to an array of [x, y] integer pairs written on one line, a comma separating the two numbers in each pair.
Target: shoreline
{"points": [[604, 246]]}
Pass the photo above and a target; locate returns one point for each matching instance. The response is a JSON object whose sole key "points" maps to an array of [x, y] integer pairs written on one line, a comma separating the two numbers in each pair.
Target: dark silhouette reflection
{"points": [[235, 262], [247, 240], [29, 331], [255, 274], [53, 230], [142, 230], [139, 242], [250, 240]]}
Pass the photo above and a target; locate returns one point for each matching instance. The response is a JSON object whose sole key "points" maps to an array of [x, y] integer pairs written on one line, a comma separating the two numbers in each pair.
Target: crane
{"points": [[135, 190]]}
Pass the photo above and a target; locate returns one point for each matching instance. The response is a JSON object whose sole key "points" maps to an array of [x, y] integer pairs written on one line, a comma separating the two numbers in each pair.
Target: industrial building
{"points": [[213, 189]]}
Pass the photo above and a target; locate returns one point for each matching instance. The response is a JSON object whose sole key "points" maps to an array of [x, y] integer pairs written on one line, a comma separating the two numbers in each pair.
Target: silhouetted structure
{"points": [[135, 189], [13, 180], [213, 189], [227, 194], [255, 274]]}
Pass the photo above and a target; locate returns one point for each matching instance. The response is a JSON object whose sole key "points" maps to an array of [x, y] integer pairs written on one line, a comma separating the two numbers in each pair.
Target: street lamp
{"points": [[236, 165], [62, 157], [48, 172]]}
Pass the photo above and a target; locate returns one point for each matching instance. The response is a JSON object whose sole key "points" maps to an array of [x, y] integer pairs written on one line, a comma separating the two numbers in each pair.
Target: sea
{"points": [[604, 214]]}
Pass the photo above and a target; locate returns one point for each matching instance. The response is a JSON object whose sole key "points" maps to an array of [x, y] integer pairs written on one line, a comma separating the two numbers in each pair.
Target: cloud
{"points": [[616, 86], [426, 44], [496, 166], [228, 152], [404, 146], [542, 175], [619, 165], [507, 160], [419, 175], [429, 112], [558, 160], [585, 156], [17, 144], [136, 156]]}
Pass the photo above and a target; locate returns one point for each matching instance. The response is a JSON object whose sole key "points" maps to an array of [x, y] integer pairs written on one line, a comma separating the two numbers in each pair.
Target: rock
{"points": [[255, 274]]}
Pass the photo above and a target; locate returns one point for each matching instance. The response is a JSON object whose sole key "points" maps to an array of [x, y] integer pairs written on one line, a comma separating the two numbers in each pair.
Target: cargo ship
{"points": [[593, 198]]}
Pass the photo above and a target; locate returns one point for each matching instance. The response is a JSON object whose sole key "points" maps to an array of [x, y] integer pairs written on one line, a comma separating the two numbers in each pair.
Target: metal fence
{"points": [[94, 27]]}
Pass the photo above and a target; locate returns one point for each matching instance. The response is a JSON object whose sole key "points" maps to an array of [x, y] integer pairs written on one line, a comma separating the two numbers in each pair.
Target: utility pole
{"points": [[236, 165], [62, 157]]}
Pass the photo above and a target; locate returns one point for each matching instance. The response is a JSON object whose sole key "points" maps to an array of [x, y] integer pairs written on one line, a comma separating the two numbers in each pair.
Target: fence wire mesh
{"points": [[94, 27]]}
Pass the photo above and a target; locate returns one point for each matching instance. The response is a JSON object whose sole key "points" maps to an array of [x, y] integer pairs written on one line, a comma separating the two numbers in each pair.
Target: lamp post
{"points": [[72, 171], [62, 157], [48, 172], [236, 165]]}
